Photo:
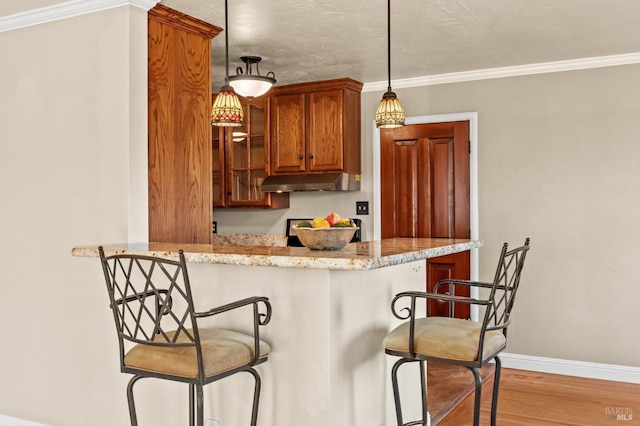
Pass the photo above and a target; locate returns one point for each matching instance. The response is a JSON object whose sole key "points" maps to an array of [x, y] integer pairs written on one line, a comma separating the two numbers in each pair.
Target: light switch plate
{"points": [[362, 207]]}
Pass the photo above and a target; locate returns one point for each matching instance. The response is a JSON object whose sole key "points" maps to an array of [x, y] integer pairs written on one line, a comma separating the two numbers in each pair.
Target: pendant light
{"points": [[389, 113], [248, 84], [226, 110]]}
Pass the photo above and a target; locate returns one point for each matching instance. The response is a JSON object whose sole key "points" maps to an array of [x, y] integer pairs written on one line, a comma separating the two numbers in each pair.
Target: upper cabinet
{"points": [[179, 127], [315, 127], [241, 160]]}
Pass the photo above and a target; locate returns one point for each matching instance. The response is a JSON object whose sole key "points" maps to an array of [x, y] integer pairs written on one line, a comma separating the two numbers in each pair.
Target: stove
{"points": [[294, 241]]}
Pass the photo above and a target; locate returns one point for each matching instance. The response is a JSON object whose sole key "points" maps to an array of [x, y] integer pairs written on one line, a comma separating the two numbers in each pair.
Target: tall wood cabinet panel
{"points": [[315, 127], [179, 126]]}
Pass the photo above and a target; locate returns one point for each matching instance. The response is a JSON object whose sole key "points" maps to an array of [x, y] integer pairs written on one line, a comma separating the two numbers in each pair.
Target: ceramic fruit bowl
{"points": [[325, 238]]}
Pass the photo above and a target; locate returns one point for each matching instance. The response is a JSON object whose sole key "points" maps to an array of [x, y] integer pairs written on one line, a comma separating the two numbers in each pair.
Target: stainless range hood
{"points": [[321, 182]]}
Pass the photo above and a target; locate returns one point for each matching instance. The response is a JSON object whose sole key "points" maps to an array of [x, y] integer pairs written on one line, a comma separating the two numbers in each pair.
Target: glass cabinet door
{"points": [[239, 163], [217, 166], [248, 156]]}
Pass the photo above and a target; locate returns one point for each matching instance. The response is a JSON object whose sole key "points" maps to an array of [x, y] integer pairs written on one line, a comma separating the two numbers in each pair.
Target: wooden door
{"points": [[324, 134], [425, 194], [288, 133]]}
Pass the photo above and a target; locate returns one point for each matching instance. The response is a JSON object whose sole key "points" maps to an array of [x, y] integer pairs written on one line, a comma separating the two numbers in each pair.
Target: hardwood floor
{"points": [[530, 398]]}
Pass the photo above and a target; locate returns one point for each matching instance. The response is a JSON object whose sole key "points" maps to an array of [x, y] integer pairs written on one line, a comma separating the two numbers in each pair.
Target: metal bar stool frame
{"points": [[496, 319], [156, 317]]}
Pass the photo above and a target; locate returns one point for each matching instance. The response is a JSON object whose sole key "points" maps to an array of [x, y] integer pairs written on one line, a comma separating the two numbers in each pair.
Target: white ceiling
{"points": [[308, 40]]}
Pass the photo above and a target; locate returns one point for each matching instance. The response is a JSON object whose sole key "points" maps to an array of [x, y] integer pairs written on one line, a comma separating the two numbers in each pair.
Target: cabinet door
{"points": [[241, 161], [288, 133], [217, 166], [247, 157], [324, 133]]}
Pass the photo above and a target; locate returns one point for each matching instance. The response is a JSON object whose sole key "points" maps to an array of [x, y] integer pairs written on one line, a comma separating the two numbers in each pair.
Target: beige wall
{"points": [[558, 161], [71, 93]]}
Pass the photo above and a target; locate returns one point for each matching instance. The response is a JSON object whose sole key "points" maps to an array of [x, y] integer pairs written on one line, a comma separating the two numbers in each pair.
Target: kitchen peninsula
{"points": [[331, 310]]}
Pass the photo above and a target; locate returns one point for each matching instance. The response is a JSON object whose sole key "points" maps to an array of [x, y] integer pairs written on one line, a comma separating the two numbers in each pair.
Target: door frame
{"points": [[472, 118]]}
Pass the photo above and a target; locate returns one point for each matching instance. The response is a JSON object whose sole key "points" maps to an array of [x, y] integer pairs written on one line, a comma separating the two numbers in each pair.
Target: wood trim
{"points": [[352, 133], [179, 20], [313, 86]]}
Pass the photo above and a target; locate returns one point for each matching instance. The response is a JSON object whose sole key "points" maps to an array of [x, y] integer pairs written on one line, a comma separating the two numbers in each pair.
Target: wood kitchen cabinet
{"points": [[241, 160], [179, 127], [315, 127]]}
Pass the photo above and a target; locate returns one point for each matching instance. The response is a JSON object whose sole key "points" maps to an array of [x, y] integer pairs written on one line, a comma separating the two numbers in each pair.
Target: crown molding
{"points": [[66, 10], [12, 421], [489, 73]]}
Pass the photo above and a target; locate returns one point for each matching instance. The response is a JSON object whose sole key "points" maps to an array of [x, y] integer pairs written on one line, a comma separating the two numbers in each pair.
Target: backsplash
{"points": [[302, 205]]}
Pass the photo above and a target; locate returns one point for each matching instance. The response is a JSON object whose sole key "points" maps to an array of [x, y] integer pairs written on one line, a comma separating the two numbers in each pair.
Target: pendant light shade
{"points": [[248, 84], [226, 110], [390, 113]]}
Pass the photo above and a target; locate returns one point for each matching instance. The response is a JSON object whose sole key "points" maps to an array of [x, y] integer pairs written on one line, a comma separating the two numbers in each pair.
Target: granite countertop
{"points": [[355, 256]]}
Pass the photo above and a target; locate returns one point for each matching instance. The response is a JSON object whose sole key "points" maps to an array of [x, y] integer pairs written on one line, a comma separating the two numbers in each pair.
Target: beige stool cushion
{"points": [[222, 350], [443, 337]]}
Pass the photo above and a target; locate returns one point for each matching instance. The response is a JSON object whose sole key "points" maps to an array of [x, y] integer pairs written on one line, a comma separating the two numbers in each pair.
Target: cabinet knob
{"points": [[310, 155], [300, 157]]}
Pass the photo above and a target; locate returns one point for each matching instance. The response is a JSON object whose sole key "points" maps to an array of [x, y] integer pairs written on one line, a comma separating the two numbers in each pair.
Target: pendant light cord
{"points": [[226, 43], [388, 44]]}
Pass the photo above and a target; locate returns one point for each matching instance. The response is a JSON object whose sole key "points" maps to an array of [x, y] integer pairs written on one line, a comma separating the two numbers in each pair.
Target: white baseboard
{"points": [[11, 421], [592, 370]]}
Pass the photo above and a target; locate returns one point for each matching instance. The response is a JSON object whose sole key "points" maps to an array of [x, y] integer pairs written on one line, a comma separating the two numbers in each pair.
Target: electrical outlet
{"points": [[211, 422], [417, 269], [362, 207]]}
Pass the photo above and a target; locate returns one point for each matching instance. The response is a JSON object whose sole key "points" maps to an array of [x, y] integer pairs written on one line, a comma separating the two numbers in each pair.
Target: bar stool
{"points": [[159, 334], [453, 340]]}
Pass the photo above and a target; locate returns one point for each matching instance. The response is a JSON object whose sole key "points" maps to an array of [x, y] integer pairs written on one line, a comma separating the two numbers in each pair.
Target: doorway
{"points": [[471, 118]]}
